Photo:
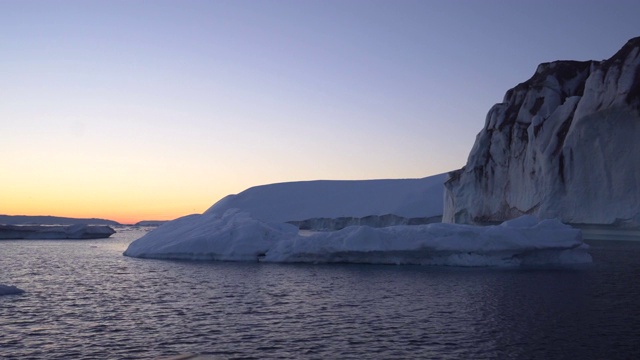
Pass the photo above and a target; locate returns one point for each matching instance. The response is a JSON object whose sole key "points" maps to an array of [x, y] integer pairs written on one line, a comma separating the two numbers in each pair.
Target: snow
{"points": [[562, 145], [333, 199], [237, 236], [233, 236], [9, 290]]}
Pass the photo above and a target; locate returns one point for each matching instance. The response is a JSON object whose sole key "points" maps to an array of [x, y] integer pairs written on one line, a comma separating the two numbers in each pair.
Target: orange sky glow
{"points": [[131, 111]]}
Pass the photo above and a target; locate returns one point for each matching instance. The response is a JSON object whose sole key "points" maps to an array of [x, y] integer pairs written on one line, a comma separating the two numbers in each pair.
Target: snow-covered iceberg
{"points": [[9, 290], [335, 204], [562, 144], [234, 236], [237, 236], [80, 231]]}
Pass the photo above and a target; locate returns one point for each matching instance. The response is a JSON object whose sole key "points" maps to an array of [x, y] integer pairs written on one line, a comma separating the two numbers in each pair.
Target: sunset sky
{"points": [[132, 110]]}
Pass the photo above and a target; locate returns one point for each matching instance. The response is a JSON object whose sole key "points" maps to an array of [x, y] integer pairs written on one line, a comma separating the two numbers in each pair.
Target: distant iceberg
{"points": [[10, 290], [52, 220], [33, 232], [238, 236]]}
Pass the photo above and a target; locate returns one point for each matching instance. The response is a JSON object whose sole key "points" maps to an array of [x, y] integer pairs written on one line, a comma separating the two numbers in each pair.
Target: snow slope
{"points": [[52, 220], [562, 144], [335, 204], [237, 236]]}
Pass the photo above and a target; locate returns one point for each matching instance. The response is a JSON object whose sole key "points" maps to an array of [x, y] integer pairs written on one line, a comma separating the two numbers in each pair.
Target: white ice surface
{"points": [[9, 290], [293, 201], [236, 236]]}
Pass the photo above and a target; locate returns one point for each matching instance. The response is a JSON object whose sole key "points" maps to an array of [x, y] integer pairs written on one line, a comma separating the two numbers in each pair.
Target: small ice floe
{"points": [[10, 290]]}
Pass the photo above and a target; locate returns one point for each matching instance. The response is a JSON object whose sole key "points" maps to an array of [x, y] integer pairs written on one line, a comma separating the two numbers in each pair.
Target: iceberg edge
{"points": [[237, 236]]}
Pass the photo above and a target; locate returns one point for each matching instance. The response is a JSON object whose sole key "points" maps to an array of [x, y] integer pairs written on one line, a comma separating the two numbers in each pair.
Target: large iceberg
{"points": [[237, 236], [335, 204], [564, 144]]}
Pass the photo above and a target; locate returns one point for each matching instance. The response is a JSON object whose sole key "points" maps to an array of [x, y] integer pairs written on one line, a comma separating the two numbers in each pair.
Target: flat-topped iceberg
{"points": [[32, 232], [237, 236]]}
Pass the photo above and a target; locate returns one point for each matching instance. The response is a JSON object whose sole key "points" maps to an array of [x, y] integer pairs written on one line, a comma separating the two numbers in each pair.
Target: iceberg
{"points": [[234, 236], [52, 220], [563, 144], [335, 204], [32, 232], [10, 290], [237, 236]]}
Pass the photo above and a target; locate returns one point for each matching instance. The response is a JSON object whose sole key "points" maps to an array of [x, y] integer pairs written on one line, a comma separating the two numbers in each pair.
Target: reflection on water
{"points": [[85, 300]]}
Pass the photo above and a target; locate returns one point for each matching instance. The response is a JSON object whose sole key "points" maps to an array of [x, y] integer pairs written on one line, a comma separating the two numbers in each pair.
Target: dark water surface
{"points": [[85, 300]]}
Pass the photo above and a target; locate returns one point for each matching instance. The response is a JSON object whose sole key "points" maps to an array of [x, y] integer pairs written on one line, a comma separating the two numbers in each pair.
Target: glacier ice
{"points": [[237, 236], [562, 145]]}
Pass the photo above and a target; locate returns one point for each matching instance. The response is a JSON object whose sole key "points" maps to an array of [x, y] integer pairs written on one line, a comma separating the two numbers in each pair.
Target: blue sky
{"points": [[155, 109]]}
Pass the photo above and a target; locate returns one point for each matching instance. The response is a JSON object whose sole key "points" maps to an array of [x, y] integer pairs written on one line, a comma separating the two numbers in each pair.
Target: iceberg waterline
{"points": [[237, 236]]}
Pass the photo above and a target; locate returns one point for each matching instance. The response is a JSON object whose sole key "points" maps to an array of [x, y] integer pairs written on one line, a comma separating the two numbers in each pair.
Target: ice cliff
{"points": [[562, 144]]}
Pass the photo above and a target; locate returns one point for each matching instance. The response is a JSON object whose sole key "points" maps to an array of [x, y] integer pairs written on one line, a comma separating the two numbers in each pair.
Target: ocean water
{"points": [[84, 300]]}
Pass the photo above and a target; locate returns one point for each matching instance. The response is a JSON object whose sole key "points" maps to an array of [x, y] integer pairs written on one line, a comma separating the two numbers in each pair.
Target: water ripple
{"points": [[84, 300]]}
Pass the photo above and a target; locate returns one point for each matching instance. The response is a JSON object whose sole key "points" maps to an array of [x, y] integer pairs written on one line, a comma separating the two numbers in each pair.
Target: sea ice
{"points": [[237, 236]]}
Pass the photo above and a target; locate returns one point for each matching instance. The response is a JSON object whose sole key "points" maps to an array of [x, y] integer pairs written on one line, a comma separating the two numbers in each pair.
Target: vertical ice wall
{"points": [[565, 143]]}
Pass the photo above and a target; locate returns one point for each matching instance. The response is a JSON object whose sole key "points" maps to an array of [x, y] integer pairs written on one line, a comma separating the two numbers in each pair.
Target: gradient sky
{"points": [[133, 110]]}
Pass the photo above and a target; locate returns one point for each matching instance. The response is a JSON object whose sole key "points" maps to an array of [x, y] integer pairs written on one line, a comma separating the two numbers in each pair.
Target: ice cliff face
{"points": [[565, 143]]}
